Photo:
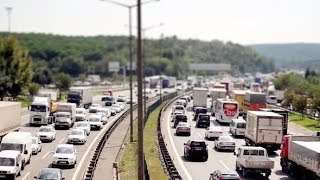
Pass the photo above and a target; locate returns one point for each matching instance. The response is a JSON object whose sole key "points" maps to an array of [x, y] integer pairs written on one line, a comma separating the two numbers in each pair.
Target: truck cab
{"points": [[10, 164], [40, 111]]}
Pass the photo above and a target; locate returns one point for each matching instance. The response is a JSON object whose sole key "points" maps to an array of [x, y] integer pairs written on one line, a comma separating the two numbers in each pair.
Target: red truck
{"points": [[253, 101], [300, 156]]}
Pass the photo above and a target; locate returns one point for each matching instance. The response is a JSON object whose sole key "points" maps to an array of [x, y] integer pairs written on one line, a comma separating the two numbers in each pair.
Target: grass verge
{"points": [[129, 156], [25, 102], [306, 122]]}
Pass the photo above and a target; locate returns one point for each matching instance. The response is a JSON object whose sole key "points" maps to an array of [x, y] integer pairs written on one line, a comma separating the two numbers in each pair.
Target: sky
{"points": [[240, 21]]}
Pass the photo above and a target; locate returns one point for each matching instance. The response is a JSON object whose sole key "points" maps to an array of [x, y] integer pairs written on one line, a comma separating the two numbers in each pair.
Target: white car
{"points": [[213, 132], [85, 125], [77, 136], [81, 114], [120, 105], [64, 155], [104, 117], [95, 121], [46, 133], [112, 110], [116, 107], [121, 98], [178, 108], [94, 108], [225, 142], [36, 145], [105, 110]]}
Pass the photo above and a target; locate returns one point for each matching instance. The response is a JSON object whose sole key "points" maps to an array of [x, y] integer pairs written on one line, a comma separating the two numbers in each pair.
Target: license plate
{"points": [[2, 176], [63, 162]]}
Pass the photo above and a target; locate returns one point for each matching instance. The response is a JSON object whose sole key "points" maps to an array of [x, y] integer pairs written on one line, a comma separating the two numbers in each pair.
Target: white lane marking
{"points": [[225, 166], [183, 167], [74, 177], [61, 140], [25, 176], [44, 156], [199, 135]]}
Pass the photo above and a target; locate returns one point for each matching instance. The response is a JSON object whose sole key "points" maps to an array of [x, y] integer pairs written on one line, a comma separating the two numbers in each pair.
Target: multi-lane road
{"points": [[223, 160], [84, 152]]}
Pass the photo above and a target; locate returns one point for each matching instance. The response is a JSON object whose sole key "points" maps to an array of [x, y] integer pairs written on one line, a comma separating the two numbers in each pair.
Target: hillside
{"points": [[291, 55], [77, 55]]}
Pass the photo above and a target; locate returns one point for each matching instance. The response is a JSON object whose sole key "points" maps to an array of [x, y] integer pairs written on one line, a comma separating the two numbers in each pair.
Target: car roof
{"points": [[80, 109], [51, 169], [66, 145], [183, 123], [215, 127], [9, 153], [95, 115], [76, 129], [46, 126], [225, 171], [252, 148]]}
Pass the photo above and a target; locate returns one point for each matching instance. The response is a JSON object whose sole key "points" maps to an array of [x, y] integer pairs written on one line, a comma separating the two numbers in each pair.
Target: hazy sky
{"points": [[240, 21]]}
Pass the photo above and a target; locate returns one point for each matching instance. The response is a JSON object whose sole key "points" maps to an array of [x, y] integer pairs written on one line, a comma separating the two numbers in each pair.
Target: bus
{"points": [[226, 110]]}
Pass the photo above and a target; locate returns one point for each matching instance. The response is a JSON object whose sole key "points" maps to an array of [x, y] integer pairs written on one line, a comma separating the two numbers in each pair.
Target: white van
{"points": [[19, 141], [10, 164], [238, 127]]}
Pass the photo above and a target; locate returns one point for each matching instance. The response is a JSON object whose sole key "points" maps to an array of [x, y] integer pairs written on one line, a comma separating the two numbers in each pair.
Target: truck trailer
{"points": [[10, 113], [81, 96], [282, 112], [264, 129], [253, 101], [300, 157], [216, 93], [200, 97]]}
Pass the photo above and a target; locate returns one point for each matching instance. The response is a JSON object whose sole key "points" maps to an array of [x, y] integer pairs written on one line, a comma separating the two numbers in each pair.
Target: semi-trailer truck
{"points": [[282, 112], [264, 129], [253, 101], [42, 110], [81, 96], [10, 113], [200, 97], [300, 157]]}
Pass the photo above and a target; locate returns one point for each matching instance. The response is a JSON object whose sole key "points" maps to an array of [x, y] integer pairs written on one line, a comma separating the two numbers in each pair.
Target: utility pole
{"points": [[140, 103], [9, 10]]}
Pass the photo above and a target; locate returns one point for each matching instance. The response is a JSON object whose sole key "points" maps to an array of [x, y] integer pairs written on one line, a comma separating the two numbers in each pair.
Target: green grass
{"points": [[129, 157], [99, 92], [305, 122], [25, 102]]}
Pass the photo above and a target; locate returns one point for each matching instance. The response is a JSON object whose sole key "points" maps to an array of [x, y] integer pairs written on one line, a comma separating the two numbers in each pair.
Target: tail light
{"points": [[220, 178], [220, 132], [210, 131]]}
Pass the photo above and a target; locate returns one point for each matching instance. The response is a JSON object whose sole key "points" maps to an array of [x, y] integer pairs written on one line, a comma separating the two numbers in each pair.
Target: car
{"points": [[81, 114], [198, 110], [131, 102], [121, 98], [203, 120], [36, 145], [195, 149], [108, 100], [188, 98], [112, 110], [185, 100], [10, 164], [105, 110], [178, 108], [46, 133], [104, 117], [85, 125], [94, 108], [224, 175], [50, 173], [120, 105], [179, 118], [116, 108], [225, 142], [213, 132], [183, 128], [77, 136], [95, 121], [175, 114], [64, 155]]}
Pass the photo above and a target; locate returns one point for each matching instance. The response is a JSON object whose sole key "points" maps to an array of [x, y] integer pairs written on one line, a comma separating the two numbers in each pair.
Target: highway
{"points": [[217, 160], [85, 152]]}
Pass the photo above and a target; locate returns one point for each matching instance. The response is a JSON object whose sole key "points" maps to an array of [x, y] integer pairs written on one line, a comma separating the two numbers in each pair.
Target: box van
{"points": [[238, 127], [10, 164], [19, 141]]}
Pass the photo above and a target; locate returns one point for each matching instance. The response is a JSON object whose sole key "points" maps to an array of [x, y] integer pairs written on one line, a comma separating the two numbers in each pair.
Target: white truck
{"points": [[253, 159], [42, 110], [264, 129], [200, 97], [66, 115], [82, 96], [10, 113], [19, 141]]}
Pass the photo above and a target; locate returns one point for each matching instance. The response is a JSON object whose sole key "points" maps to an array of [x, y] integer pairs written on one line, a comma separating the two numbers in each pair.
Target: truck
{"points": [[200, 97], [253, 101], [253, 159], [264, 129], [282, 112], [238, 95], [66, 115], [81, 96], [280, 95], [226, 110], [42, 110], [216, 93], [10, 113], [300, 156]]}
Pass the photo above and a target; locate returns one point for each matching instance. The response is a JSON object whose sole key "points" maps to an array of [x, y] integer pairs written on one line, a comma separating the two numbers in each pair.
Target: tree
{"points": [[62, 81], [299, 103], [15, 67], [288, 97], [33, 88]]}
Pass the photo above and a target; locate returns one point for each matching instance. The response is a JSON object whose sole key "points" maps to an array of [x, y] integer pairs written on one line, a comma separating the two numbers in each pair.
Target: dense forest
{"points": [[294, 55], [79, 56]]}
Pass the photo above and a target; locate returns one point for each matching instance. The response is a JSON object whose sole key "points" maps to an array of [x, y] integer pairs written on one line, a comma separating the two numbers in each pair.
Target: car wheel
{"points": [[19, 173], [237, 168], [23, 164], [244, 172], [235, 133], [29, 161], [189, 134]]}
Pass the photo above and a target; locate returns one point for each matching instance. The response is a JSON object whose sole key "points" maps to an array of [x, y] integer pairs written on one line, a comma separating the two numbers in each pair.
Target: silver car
{"points": [[183, 128], [225, 142]]}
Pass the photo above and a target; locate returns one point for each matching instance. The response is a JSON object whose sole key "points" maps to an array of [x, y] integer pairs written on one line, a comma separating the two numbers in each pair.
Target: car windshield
{"points": [[76, 133], [80, 112], [7, 146], [46, 174], [81, 125], [6, 162], [64, 150], [45, 130], [241, 125], [225, 138], [38, 108], [95, 105], [63, 115], [198, 144], [94, 119]]}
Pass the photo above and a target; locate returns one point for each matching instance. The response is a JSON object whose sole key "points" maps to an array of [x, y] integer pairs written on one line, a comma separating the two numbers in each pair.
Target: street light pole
{"points": [[9, 10]]}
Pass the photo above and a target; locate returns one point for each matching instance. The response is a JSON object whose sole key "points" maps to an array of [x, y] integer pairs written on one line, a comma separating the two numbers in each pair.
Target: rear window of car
{"points": [[204, 117], [107, 98], [181, 118], [179, 108], [241, 125], [201, 111], [198, 144]]}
